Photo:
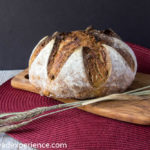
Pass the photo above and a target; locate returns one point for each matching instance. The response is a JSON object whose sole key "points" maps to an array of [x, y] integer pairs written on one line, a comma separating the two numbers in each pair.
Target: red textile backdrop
{"points": [[76, 128]]}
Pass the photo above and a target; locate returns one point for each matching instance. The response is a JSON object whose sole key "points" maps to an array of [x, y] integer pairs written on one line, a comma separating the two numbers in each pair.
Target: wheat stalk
{"points": [[11, 121]]}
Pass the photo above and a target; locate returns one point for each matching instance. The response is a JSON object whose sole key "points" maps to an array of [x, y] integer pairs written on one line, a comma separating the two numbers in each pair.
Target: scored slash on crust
{"points": [[105, 64]]}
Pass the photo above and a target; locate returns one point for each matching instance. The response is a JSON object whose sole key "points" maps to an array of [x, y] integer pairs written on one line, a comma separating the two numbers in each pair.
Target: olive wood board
{"points": [[133, 111]]}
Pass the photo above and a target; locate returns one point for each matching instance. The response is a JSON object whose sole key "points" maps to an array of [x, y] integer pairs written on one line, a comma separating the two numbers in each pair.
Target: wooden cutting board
{"points": [[133, 111]]}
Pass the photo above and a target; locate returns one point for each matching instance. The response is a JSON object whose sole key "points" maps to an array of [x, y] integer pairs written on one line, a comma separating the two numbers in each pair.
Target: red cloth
{"points": [[76, 128]]}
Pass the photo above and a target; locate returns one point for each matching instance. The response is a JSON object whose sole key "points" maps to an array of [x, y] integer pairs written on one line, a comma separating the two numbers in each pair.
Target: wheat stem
{"points": [[8, 128], [136, 90], [34, 114]]}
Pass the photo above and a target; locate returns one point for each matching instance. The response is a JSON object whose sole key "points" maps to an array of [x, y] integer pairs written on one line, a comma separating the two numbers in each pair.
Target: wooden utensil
{"points": [[133, 111]]}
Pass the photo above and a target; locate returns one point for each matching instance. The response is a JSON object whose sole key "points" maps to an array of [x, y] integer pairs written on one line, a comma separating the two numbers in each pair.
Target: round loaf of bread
{"points": [[82, 64]]}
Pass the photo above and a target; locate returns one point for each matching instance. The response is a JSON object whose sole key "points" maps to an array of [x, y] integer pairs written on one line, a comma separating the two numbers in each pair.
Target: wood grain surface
{"points": [[133, 111]]}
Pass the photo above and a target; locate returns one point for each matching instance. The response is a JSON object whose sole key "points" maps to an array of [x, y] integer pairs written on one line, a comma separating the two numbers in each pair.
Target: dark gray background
{"points": [[24, 22]]}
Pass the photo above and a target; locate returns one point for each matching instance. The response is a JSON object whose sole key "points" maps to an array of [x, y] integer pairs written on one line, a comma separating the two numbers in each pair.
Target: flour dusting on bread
{"points": [[82, 64]]}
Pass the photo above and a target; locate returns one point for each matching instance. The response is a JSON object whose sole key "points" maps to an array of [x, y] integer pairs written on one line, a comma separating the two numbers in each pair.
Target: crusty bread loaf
{"points": [[82, 64]]}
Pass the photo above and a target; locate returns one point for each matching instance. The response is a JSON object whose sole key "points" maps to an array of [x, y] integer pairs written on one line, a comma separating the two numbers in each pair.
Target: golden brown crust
{"points": [[62, 49], [66, 46], [83, 64], [109, 32], [107, 37], [96, 65], [38, 48]]}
